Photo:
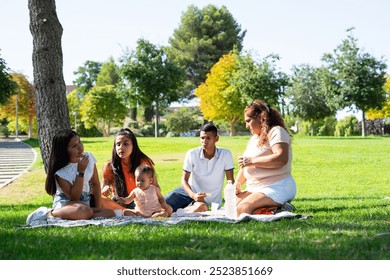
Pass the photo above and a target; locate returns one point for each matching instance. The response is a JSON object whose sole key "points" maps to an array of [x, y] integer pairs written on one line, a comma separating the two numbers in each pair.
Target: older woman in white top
{"points": [[266, 162]]}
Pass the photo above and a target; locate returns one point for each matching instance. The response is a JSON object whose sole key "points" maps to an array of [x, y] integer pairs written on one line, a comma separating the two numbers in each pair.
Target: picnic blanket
{"points": [[175, 219]]}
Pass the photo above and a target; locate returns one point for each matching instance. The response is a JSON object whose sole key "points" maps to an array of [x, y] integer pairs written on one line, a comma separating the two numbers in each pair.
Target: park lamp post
{"points": [[75, 121]]}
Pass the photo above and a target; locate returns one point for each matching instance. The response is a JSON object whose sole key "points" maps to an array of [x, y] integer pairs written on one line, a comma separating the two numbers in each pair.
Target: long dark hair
{"points": [[269, 117], [134, 161], [59, 157]]}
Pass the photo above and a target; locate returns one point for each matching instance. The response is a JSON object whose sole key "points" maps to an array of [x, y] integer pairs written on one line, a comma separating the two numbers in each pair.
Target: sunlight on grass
{"points": [[342, 183]]}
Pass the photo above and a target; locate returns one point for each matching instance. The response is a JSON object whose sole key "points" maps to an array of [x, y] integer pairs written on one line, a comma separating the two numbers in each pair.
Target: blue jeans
{"points": [[178, 198]]}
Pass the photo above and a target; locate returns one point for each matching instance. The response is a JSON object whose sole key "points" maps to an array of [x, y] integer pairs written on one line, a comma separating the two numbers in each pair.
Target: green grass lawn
{"points": [[342, 183]]}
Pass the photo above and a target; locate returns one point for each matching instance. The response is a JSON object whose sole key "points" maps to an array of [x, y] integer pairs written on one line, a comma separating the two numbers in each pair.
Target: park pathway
{"points": [[15, 158]]}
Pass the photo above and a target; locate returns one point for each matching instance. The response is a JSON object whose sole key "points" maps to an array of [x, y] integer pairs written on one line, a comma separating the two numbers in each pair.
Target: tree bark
{"points": [[232, 132], [148, 114], [364, 134], [312, 127], [49, 84], [156, 132], [133, 114]]}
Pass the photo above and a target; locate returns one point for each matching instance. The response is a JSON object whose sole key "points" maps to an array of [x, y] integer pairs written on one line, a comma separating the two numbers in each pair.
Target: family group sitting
{"points": [[129, 183]]}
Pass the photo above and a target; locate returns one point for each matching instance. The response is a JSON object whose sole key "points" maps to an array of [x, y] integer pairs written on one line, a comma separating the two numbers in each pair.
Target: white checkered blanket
{"points": [[174, 220]]}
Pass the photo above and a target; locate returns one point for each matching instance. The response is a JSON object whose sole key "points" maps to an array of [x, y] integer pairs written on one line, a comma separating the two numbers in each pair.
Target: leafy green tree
{"points": [[102, 108], [182, 120], [347, 127], [234, 82], [327, 126], [219, 98], [86, 76], [24, 96], [49, 83], [306, 96], [154, 77], [260, 80], [385, 111], [108, 74], [7, 86], [74, 104], [361, 76], [203, 36]]}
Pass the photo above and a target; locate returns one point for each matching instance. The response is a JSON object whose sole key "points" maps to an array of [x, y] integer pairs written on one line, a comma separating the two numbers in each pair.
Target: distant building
{"points": [[70, 88]]}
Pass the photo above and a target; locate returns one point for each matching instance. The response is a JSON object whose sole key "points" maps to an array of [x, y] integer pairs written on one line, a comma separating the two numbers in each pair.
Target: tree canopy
{"points": [[86, 76], [7, 86], [219, 98], [306, 96], [235, 81], [102, 108], [385, 111], [203, 36], [24, 93], [154, 77], [182, 120], [361, 76], [108, 74], [260, 80]]}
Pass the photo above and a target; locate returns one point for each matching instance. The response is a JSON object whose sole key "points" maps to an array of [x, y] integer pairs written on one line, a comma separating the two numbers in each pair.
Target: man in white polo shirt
{"points": [[203, 175]]}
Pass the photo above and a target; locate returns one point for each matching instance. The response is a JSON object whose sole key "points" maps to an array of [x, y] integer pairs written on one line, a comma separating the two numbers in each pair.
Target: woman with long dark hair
{"points": [[72, 179], [118, 173]]}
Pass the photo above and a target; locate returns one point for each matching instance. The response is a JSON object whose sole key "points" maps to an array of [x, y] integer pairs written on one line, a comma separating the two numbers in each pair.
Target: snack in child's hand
{"points": [[82, 156]]}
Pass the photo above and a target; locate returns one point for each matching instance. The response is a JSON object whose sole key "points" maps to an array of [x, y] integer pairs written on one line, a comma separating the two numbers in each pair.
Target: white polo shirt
{"points": [[207, 175]]}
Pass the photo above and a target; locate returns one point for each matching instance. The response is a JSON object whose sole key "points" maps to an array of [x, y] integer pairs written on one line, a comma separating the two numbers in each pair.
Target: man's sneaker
{"points": [[39, 214], [287, 206]]}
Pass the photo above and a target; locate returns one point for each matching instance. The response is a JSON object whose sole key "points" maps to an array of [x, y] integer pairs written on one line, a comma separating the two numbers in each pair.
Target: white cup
{"points": [[118, 212], [214, 207]]}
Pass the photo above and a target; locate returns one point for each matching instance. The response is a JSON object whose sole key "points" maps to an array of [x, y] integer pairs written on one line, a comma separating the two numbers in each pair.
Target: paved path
{"points": [[15, 158]]}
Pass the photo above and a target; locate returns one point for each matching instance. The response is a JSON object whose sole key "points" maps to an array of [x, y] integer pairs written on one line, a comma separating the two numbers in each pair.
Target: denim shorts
{"points": [[178, 198], [60, 200]]}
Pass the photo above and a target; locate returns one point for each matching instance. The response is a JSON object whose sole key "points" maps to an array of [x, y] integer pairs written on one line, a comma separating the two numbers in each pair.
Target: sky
{"points": [[299, 31]]}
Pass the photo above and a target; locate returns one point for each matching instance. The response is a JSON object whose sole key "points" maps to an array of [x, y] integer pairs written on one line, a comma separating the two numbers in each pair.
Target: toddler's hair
{"points": [[145, 169]]}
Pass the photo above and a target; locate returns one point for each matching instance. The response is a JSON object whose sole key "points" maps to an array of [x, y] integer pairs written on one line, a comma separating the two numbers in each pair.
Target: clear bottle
{"points": [[230, 200]]}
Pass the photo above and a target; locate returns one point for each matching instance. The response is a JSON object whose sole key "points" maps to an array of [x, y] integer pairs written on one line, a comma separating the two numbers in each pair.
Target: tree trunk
{"points": [[363, 124], [148, 114], [49, 84], [312, 127], [156, 133], [30, 126], [232, 132], [133, 113], [108, 129]]}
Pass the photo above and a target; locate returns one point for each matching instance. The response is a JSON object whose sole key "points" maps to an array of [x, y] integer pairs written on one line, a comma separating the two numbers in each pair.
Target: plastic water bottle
{"points": [[230, 200]]}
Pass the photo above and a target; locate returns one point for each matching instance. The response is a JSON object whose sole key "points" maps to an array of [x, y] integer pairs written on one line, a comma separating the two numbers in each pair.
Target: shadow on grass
{"points": [[251, 240], [33, 142], [335, 234]]}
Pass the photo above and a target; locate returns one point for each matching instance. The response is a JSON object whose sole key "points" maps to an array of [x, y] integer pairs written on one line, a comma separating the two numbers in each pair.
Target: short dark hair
{"points": [[145, 169], [209, 127]]}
